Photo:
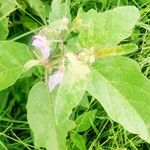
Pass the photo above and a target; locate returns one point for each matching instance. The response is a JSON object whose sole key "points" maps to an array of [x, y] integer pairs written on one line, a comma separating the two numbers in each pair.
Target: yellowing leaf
{"points": [[118, 50]]}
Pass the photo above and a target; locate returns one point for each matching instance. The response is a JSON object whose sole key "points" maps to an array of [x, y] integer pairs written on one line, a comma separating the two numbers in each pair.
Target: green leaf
{"points": [[118, 50], [108, 29], [13, 56], [48, 113], [85, 102], [6, 7], [55, 10], [78, 141], [123, 91], [84, 121], [29, 23], [4, 29], [38, 7], [58, 25], [75, 85], [40, 116], [59, 10]]}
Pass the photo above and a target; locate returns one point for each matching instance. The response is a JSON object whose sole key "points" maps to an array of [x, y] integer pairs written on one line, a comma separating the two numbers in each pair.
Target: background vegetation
{"points": [[24, 19]]}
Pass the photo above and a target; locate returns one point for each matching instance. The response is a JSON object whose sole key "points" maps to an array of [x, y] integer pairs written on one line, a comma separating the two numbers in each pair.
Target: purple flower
{"points": [[42, 44], [55, 79]]}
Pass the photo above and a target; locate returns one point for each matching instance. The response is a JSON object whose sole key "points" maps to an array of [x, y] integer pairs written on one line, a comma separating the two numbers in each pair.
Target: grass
{"points": [[103, 134]]}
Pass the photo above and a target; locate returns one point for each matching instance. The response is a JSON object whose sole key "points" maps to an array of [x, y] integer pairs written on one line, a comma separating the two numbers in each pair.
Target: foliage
{"points": [[72, 74]]}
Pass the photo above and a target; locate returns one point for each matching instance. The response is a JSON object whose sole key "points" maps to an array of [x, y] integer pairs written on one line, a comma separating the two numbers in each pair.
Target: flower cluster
{"points": [[42, 43]]}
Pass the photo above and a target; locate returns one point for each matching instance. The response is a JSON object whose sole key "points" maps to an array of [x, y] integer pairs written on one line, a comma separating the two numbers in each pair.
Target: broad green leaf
{"points": [[13, 56], [40, 116], [123, 91], [108, 29], [84, 121], [48, 113], [78, 141], [38, 7]]}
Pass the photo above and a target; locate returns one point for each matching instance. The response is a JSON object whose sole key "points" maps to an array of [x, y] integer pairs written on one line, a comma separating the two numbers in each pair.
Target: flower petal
{"points": [[42, 44], [55, 79]]}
